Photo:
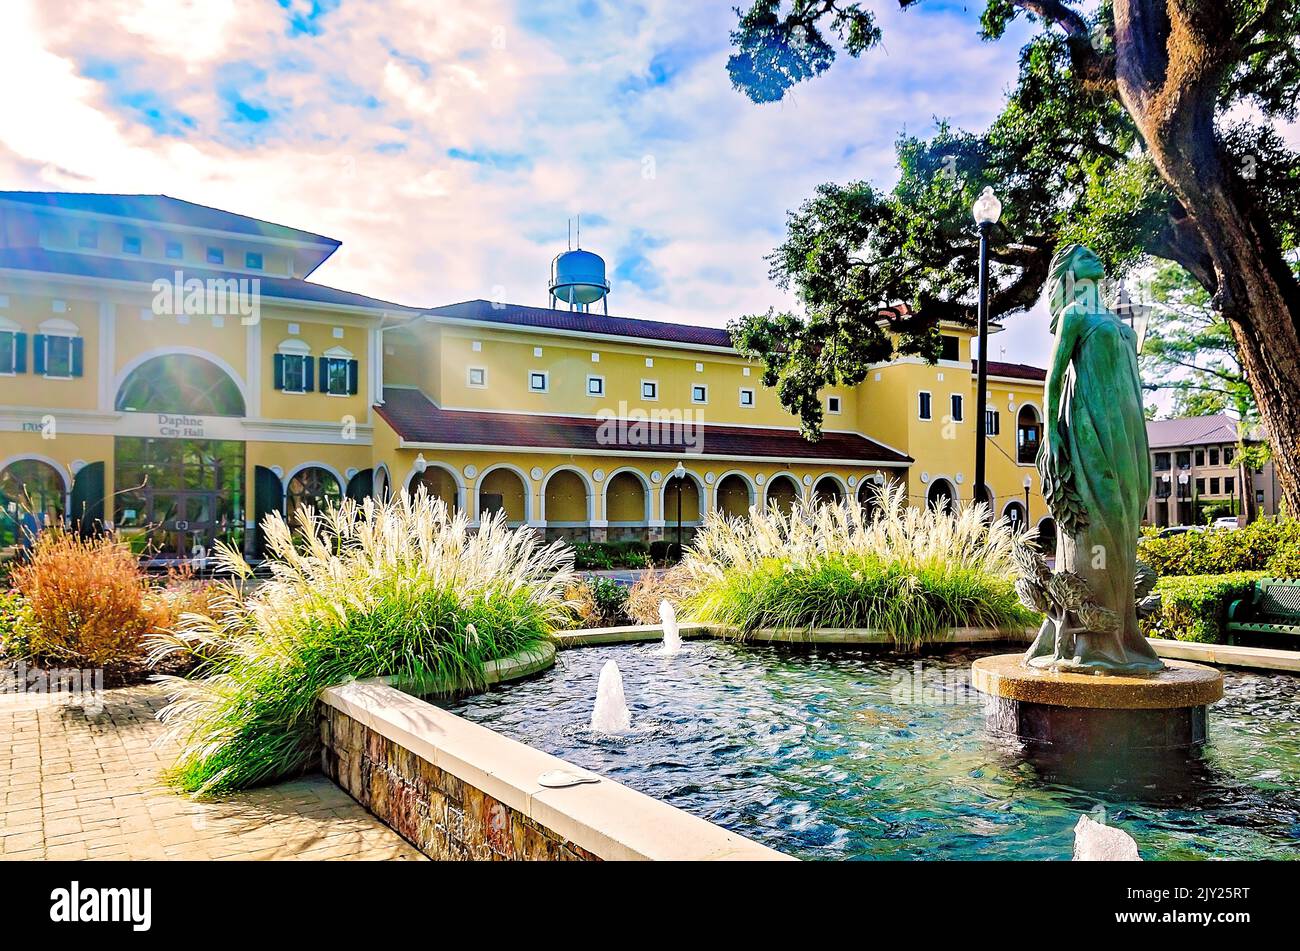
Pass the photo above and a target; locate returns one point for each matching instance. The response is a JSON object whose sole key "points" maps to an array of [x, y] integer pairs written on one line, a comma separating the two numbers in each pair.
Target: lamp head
{"points": [[680, 470], [421, 464], [1029, 482], [987, 208]]}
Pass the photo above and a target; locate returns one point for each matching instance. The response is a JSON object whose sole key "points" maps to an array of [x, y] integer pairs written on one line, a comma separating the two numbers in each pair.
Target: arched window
{"points": [[1029, 432], [31, 496], [1014, 513], [180, 383], [313, 486], [827, 491], [783, 492]]}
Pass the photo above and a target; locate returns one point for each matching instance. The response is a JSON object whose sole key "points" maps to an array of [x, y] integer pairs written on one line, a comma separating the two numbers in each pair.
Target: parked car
{"points": [[1226, 521], [1180, 530]]}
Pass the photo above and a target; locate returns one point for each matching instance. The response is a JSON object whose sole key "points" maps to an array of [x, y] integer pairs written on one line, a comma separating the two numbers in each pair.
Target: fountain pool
{"points": [[847, 754]]}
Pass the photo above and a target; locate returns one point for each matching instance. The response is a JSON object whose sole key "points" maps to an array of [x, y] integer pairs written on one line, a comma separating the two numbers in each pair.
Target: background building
{"points": [[167, 370], [1199, 473]]}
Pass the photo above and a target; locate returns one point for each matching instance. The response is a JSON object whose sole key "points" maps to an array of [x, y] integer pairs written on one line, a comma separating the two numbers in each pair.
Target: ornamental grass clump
{"points": [[909, 572], [384, 588]]}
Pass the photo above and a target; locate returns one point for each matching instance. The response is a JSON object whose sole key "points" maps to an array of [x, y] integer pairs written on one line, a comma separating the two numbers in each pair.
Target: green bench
{"points": [[1272, 608]]}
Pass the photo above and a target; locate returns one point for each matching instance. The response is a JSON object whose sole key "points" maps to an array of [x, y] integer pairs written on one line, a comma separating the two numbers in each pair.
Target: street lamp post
{"points": [[680, 473], [1029, 484], [987, 210]]}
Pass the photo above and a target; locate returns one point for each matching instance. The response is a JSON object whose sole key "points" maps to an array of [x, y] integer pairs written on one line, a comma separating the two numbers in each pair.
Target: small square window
{"points": [[174, 250], [131, 244], [477, 376], [537, 351], [595, 386], [949, 347], [477, 346], [923, 407], [649, 361], [744, 371], [595, 358], [649, 390], [538, 381], [88, 238], [253, 261], [699, 368], [216, 256], [699, 393], [746, 396], [832, 404]]}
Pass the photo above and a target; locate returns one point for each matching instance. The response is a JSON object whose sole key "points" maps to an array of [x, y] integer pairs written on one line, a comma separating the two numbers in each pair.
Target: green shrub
{"points": [[910, 572], [398, 588], [1195, 607], [14, 625], [1284, 563], [592, 556], [1224, 551], [611, 600]]}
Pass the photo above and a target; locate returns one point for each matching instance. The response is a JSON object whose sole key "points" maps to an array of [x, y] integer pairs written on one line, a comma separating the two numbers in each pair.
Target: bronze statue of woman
{"points": [[1096, 474]]}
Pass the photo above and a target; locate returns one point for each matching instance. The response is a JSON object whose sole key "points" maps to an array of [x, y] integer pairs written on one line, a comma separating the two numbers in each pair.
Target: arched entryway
{"points": [[869, 496], [940, 495], [681, 507], [828, 491], [783, 492], [1014, 513], [1046, 541], [503, 490], [735, 495], [627, 505], [438, 482], [179, 490], [566, 504], [312, 487], [33, 496]]}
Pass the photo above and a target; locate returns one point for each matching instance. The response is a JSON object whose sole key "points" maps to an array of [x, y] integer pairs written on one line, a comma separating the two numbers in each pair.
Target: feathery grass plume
{"points": [[382, 588], [910, 572]]}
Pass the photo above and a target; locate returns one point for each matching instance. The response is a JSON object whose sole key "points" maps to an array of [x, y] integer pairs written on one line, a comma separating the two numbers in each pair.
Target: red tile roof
{"points": [[1015, 371], [417, 419]]}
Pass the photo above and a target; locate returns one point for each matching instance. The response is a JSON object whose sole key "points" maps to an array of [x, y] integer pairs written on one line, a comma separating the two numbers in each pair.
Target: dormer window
{"points": [[949, 347], [216, 256], [174, 250], [131, 244], [253, 261]]}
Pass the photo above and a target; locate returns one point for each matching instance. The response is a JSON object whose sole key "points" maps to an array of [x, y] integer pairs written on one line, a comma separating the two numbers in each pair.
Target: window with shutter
{"points": [[8, 348]]}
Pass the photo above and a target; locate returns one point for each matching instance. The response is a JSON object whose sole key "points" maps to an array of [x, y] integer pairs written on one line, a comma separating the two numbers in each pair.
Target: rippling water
{"points": [[864, 755]]}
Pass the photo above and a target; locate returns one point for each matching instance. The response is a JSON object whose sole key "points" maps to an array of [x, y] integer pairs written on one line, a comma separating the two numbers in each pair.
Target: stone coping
{"points": [[862, 637], [1225, 655], [513, 667], [1180, 684], [606, 818]]}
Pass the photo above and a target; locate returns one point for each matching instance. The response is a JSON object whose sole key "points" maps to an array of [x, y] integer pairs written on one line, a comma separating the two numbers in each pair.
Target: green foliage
{"points": [[604, 556], [15, 627], [1284, 563], [1064, 155], [909, 572], [1222, 551], [611, 599], [1190, 350], [399, 588], [1195, 607]]}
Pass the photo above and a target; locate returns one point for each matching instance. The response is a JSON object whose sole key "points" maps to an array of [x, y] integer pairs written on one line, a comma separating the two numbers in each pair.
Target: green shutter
{"points": [[268, 497], [78, 355], [324, 374], [352, 377], [308, 373], [20, 353], [87, 515], [279, 371], [38, 353]]}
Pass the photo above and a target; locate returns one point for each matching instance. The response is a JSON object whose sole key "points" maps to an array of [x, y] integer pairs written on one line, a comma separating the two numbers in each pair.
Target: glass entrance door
{"points": [[175, 498]]}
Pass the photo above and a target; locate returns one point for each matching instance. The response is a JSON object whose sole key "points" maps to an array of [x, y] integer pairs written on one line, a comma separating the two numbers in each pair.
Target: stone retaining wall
{"points": [[440, 814]]}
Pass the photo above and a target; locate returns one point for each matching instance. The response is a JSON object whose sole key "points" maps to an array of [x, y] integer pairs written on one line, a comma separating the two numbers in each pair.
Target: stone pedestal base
{"points": [[1099, 715]]}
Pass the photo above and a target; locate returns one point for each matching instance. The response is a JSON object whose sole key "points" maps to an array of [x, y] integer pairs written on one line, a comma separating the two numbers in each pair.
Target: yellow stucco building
{"points": [[169, 371]]}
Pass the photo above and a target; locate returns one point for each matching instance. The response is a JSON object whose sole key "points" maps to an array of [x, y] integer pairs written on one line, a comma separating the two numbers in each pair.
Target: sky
{"points": [[447, 144]]}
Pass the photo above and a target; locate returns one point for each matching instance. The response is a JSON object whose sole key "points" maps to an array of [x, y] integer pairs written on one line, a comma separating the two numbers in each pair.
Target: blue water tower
{"points": [[578, 279]]}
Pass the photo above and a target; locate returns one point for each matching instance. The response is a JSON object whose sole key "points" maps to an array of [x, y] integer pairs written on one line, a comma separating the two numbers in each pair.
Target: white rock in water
{"points": [[1096, 842]]}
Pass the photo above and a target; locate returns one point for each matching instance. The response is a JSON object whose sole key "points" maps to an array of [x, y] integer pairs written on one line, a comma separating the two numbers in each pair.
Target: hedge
{"points": [[1269, 544], [1195, 607]]}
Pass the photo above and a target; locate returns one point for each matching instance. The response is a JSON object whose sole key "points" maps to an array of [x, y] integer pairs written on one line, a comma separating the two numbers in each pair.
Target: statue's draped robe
{"points": [[1100, 418]]}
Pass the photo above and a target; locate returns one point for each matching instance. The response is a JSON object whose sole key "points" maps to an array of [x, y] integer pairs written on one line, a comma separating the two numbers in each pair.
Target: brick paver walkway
{"points": [[74, 786]]}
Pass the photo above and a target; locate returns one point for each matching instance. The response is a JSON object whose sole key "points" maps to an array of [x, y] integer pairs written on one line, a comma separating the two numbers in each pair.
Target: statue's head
{"points": [[1075, 272]]}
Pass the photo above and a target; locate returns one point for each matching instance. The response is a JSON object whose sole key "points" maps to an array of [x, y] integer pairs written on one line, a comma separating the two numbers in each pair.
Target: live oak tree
{"points": [[1190, 351], [1148, 129]]}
